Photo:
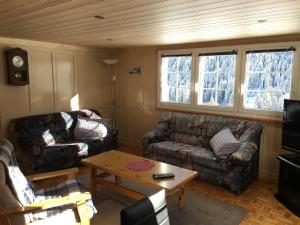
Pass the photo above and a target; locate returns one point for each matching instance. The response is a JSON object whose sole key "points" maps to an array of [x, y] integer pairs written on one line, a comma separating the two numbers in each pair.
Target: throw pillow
{"points": [[247, 135], [224, 143], [90, 128]]}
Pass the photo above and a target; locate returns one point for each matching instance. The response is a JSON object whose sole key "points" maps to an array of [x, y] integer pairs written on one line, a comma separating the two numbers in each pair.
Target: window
{"points": [[217, 78], [176, 78], [243, 80], [268, 79]]}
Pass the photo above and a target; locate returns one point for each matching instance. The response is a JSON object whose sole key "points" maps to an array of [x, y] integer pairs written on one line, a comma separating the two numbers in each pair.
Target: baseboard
{"points": [[128, 141]]}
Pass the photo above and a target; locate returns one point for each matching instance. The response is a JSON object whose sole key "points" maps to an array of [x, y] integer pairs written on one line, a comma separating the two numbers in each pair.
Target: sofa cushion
{"points": [[185, 152], [224, 143], [63, 189], [87, 128], [66, 154], [187, 139]]}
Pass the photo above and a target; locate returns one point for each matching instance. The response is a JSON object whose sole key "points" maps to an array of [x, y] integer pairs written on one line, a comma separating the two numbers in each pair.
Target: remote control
{"points": [[158, 176]]}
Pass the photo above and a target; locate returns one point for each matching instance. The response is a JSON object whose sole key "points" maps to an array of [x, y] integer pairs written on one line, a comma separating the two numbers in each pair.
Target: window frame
{"points": [[294, 72], [197, 81], [175, 105], [240, 81]]}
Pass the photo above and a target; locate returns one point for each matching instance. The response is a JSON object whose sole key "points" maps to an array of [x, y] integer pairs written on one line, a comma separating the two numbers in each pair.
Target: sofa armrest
{"points": [[59, 173], [153, 136], [245, 153], [75, 199]]}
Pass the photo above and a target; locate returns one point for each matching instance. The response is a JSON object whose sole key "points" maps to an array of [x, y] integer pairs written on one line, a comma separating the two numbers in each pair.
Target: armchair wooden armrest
{"points": [[67, 172], [75, 199]]}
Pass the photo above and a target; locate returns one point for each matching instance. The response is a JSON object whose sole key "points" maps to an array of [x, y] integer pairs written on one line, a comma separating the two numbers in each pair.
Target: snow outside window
{"points": [[176, 79], [217, 74], [268, 80]]}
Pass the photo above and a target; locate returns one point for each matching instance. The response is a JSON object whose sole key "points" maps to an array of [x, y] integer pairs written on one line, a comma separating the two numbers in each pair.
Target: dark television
{"points": [[291, 126]]}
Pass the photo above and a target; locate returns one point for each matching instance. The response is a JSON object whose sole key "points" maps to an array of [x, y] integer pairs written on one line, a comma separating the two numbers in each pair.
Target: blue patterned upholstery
{"points": [[46, 142], [183, 140]]}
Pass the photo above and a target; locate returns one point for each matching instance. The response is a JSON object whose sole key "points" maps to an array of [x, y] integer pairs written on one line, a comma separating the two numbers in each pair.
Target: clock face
{"points": [[18, 61]]}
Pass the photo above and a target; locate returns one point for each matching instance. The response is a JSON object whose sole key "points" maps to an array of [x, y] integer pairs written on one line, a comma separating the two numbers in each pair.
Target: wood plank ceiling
{"points": [[146, 22]]}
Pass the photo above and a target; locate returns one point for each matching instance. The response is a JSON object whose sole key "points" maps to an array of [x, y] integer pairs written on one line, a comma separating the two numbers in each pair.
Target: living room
{"points": [[123, 59]]}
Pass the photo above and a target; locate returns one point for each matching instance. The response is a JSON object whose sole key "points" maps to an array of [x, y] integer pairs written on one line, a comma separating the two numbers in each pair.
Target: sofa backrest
{"points": [[48, 128], [197, 129]]}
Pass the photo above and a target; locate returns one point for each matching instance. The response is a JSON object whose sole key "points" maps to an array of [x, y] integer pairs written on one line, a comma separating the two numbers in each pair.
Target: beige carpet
{"points": [[108, 213], [198, 210]]}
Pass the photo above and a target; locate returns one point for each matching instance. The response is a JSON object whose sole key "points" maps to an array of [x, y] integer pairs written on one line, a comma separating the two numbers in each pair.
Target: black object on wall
{"points": [[289, 182], [17, 67]]}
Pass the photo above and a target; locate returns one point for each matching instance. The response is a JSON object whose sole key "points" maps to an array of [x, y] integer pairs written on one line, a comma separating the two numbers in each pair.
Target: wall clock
{"points": [[17, 66]]}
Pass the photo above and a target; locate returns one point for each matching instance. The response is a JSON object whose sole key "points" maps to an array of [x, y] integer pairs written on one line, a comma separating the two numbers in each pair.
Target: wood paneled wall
{"points": [[58, 75], [137, 112]]}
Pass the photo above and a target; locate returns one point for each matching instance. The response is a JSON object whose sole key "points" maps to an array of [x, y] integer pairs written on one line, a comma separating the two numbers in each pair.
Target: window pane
{"points": [[256, 81], [183, 95], [225, 98], [210, 63], [281, 62], [176, 79], [172, 63], [184, 80], [185, 63], [210, 80], [226, 63], [172, 94], [255, 99], [217, 77], [268, 78], [209, 96], [258, 62], [226, 81], [171, 79]]}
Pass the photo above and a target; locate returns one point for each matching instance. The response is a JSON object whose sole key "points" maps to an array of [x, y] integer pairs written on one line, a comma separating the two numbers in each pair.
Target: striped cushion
{"points": [[66, 188], [23, 189], [224, 143]]}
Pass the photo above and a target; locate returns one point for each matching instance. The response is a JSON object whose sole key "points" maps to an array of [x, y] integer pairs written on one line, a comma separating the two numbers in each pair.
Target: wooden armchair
{"points": [[67, 203]]}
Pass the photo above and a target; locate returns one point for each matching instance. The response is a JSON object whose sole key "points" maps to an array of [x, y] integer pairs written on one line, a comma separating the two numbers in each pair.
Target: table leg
{"points": [[181, 198], [118, 180], [93, 183]]}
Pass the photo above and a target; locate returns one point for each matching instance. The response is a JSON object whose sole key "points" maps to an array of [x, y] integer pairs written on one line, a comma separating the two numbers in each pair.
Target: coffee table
{"points": [[115, 163]]}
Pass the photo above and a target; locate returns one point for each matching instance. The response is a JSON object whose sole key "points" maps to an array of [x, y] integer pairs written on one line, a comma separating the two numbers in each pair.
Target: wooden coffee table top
{"points": [[115, 163]]}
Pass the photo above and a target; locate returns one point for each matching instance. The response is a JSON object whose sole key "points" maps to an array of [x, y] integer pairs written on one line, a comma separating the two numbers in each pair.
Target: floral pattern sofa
{"points": [[46, 142], [184, 140]]}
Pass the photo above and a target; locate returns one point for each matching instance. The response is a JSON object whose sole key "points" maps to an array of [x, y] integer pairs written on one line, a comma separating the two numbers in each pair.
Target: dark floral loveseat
{"points": [[46, 142], [184, 140]]}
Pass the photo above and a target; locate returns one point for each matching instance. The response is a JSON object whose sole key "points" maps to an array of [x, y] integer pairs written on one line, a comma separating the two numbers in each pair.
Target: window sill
{"points": [[239, 115]]}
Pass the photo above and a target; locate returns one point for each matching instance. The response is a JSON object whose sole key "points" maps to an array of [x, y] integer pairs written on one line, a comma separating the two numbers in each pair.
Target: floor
{"points": [[263, 208]]}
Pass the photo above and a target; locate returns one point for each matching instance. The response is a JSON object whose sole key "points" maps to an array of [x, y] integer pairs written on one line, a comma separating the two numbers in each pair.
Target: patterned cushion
{"points": [[249, 134], [187, 139], [224, 143], [63, 189], [87, 128], [190, 154]]}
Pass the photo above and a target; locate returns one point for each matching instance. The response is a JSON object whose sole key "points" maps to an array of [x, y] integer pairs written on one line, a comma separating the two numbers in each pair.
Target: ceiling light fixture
{"points": [[99, 17], [261, 21]]}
